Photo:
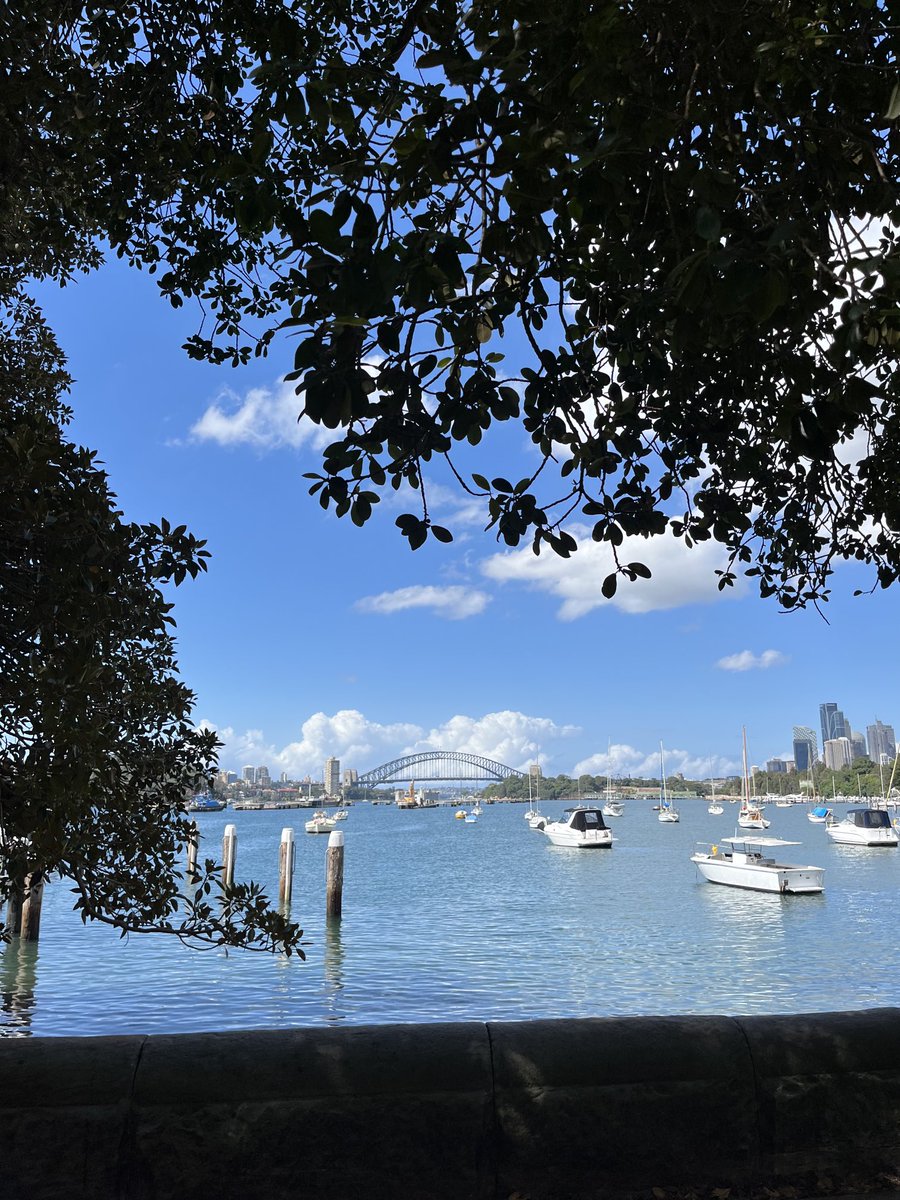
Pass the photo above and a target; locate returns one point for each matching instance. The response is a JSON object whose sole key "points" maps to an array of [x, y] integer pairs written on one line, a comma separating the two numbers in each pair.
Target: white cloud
{"points": [[454, 603], [265, 418], [625, 760], [679, 575], [512, 738], [746, 660]]}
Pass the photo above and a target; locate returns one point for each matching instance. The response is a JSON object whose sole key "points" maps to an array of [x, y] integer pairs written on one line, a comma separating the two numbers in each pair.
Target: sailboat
{"points": [[537, 820], [613, 806], [750, 815], [715, 809], [667, 810], [531, 812]]}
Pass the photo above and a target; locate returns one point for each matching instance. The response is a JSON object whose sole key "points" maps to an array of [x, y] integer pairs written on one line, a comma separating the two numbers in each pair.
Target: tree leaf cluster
{"points": [[98, 748], [661, 237]]}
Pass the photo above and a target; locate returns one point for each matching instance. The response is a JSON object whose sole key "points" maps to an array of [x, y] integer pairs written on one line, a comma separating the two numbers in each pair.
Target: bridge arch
{"points": [[432, 766]]}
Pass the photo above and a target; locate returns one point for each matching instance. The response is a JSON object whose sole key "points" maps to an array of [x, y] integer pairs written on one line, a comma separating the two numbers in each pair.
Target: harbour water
{"points": [[449, 921]]}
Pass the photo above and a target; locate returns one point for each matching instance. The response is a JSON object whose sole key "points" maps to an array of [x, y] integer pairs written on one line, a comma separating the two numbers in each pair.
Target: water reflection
{"points": [[334, 969], [18, 979]]}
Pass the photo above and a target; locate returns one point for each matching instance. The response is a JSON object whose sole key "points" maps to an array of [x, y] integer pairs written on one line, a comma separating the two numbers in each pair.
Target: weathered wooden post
{"points": [[334, 874], [229, 854], [14, 913], [31, 907], [286, 866], [193, 843]]}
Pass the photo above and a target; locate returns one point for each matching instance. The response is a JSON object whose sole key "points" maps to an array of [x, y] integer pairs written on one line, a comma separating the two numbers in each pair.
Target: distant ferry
{"points": [[204, 803]]}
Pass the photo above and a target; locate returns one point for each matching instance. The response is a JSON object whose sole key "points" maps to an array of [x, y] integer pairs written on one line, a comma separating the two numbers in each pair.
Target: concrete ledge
{"points": [[550, 1109]]}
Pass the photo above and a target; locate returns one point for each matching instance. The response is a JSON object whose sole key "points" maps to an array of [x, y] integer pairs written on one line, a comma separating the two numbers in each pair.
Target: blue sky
{"points": [[310, 637]]}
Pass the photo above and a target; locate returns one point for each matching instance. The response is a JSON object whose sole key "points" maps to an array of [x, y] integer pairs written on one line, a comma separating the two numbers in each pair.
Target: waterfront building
{"points": [[881, 741], [806, 752], [838, 753], [332, 776], [262, 776], [248, 774]]}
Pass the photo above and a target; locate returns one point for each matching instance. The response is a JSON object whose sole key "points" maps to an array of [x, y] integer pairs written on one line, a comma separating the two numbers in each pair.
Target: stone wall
{"points": [[470, 1111]]}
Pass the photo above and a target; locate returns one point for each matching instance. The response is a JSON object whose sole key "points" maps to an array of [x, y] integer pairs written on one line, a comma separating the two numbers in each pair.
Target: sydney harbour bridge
{"points": [[433, 766]]}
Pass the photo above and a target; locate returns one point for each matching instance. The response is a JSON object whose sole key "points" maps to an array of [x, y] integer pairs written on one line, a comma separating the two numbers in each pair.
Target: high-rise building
{"points": [[858, 742], [882, 743], [806, 753], [262, 776], [834, 723], [776, 766], [248, 774], [332, 776], [838, 753]]}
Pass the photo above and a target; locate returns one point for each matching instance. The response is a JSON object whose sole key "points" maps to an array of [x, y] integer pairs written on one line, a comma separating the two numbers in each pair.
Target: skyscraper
{"points": [[806, 752], [332, 776], [838, 753], [833, 722], [882, 743]]}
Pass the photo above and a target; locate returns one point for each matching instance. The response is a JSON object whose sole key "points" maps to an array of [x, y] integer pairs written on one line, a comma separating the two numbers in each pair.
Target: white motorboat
{"points": [[863, 827], [668, 813], [820, 815], [320, 822], [742, 863], [476, 810], [580, 827], [613, 808], [341, 815]]}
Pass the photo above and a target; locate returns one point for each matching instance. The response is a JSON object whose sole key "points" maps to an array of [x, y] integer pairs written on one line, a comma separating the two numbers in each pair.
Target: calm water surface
{"points": [[447, 921]]}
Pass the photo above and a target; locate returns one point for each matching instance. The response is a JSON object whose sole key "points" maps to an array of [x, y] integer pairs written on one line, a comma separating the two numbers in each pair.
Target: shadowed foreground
{"points": [[546, 1109]]}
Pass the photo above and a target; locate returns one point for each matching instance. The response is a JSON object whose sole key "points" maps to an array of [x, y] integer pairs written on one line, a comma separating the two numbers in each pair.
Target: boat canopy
{"points": [[585, 818], [821, 811], [869, 818], [757, 841]]}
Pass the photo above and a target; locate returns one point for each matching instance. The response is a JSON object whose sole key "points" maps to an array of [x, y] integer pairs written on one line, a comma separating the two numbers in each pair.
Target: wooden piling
{"points": [[334, 874], [31, 908], [14, 913], [193, 843], [286, 866], [229, 854]]}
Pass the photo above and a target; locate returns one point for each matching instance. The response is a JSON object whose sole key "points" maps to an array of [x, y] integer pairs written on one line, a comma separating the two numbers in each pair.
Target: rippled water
{"points": [[448, 921]]}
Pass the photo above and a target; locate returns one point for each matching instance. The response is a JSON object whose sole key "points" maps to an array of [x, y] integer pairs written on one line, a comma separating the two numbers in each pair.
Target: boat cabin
{"points": [[868, 818], [584, 819]]}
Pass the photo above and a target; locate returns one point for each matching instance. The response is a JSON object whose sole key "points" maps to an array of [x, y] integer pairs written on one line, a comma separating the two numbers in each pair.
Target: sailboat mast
{"points": [[746, 780]]}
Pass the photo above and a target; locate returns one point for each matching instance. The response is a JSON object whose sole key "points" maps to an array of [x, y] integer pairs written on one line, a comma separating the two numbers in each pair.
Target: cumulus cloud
{"points": [[264, 418], [512, 738], [454, 603], [679, 575], [746, 660], [622, 759]]}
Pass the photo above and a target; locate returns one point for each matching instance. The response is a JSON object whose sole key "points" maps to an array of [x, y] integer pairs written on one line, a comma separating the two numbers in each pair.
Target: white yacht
{"points": [[582, 828], [742, 863], [320, 822], [863, 827], [668, 813]]}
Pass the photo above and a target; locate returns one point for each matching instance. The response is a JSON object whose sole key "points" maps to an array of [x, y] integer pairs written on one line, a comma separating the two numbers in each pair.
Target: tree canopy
{"points": [[98, 750], [661, 236]]}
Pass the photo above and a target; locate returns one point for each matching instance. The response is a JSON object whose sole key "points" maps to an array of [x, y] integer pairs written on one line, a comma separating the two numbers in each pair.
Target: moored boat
{"points": [[863, 827], [819, 815], [320, 822], [581, 828], [742, 863]]}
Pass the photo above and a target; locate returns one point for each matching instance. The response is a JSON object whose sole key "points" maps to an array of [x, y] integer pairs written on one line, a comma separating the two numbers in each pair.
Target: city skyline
{"points": [[310, 637]]}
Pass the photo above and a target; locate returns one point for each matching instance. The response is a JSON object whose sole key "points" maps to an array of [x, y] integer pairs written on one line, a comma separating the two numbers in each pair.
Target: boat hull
{"points": [[854, 836], [589, 839], [783, 878]]}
